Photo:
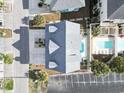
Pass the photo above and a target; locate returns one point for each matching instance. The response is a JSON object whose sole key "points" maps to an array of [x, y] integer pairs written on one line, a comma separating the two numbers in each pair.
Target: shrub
{"points": [[1, 4], [99, 68], [39, 76], [1, 56], [8, 59], [38, 20], [96, 31], [8, 84], [117, 64]]}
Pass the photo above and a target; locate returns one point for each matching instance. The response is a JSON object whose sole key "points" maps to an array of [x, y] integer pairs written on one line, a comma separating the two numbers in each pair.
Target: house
{"points": [[63, 46], [66, 5], [49, 6], [111, 10]]}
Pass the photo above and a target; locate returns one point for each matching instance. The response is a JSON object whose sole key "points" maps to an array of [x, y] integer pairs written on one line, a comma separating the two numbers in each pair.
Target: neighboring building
{"points": [[111, 10], [55, 5], [66, 5], [63, 46], [37, 46]]}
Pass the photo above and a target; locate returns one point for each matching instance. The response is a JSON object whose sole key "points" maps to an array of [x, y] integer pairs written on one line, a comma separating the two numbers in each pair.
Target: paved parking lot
{"points": [[86, 83]]}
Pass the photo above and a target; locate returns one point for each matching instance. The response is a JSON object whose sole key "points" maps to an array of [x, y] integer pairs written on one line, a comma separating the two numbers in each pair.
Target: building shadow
{"points": [[22, 45], [25, 4]]}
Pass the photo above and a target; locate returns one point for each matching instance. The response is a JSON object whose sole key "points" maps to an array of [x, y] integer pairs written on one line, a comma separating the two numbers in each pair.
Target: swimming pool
{"points": [[105, 44], [83, 48]]}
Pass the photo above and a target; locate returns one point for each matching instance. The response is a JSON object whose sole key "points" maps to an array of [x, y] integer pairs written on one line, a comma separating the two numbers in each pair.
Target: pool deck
{"points": [[116, 37]]}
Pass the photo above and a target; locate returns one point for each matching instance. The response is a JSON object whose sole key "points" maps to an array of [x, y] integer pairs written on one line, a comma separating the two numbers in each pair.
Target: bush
{"points": [[96, 31], [99, 68], [6, 33], [1, 4], [38, 21], [117, 64], [1, 56], [8, 84], [8, 59], [39, 76]]}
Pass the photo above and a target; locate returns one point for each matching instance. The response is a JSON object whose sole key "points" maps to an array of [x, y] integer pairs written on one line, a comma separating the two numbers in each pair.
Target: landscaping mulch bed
{"points": [[42, 67], [7, 33]]}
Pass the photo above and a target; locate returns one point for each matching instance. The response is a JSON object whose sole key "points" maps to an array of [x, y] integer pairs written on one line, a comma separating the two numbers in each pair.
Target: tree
{"points": [[8, 58], [96, 31], [32, 75], [8, 84], [39, 76], [99, 68], [117, 64]]}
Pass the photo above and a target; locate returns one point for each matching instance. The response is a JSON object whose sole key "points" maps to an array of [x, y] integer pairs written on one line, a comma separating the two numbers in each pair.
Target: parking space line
{"points": [[65, 81], [114, 77], [72, 81], [108, 78], [103, 80], [84, 79], [78, 80], [121, 78], [90, 78], [96, 80]]}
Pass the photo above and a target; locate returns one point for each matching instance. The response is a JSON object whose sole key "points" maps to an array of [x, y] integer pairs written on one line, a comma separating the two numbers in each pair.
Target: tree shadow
{"points": [[25, 20], [22, 45]]}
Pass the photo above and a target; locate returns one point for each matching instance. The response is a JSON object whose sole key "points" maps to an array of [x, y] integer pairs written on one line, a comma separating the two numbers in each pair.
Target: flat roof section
{"points": [[37, 54]]}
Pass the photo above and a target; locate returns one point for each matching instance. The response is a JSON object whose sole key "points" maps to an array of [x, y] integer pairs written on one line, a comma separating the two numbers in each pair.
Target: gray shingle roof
{"points": [[67, 55], [58, 5], [115, 9]]}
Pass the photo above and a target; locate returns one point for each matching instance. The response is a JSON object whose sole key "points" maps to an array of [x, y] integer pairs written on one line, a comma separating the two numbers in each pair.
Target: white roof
{"points": [[66, 4]]}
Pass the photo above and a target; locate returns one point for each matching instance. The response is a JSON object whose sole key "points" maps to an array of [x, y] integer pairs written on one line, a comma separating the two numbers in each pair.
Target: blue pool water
{"points": [[82, 47], [105, 44]]}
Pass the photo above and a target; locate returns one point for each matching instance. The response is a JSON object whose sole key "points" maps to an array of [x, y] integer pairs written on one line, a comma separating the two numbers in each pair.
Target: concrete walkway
{"points": [[18, 70]]}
